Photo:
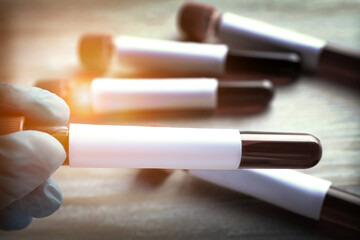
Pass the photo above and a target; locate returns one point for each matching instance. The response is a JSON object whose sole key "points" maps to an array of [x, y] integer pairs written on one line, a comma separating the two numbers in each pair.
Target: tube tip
{"points": [[340, 64], [279, 67], [268, 91], [315, 150], [244, 93], [280, 150], [95, 51], [194, 19]]}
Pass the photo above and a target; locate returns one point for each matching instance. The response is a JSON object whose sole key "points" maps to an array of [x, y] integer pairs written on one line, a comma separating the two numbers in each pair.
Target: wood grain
{"points": [[38, 40]]}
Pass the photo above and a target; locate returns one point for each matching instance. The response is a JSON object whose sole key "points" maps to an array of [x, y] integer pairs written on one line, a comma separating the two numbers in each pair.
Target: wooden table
{"points": [[38, 40]]}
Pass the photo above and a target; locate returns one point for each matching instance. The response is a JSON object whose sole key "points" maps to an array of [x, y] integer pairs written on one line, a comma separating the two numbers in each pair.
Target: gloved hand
{"points": [[28, 158]]}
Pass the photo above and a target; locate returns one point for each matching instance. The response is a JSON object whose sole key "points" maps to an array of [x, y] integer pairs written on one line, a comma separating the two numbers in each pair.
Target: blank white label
{"points": [[106, 146], [236, 30], [110, 95], [173, 57], [288, 189]]}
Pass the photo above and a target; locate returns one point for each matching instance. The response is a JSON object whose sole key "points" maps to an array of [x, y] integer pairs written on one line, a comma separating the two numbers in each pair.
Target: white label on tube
{"points": [[106, 146], [173, 57], [110, 95], [236, 30], [288, 189]]}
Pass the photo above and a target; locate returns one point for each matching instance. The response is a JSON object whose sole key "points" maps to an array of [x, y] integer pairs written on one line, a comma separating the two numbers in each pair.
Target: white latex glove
{"points": [[28, 158]]}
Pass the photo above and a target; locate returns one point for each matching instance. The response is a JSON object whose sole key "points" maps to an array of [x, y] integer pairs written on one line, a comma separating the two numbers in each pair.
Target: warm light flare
{"points": [[79, 100]]}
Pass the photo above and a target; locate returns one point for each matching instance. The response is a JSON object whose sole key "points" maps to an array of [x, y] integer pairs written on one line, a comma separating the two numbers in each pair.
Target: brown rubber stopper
{"points": [[194, 19], [95, 51], [340, 64]]}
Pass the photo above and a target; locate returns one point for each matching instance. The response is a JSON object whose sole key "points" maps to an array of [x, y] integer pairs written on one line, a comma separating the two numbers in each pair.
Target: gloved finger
{"points": [[36, 104], [27, 159], [41, 202], [12, 220]]}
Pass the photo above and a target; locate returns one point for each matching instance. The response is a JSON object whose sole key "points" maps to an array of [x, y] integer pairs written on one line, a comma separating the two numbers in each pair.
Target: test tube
{"points": [[107, 146], [297, 192], [110, 95], [327, 60], [185, 59]]}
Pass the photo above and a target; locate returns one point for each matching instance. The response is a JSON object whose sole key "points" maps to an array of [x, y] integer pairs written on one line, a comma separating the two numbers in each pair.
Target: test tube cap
{"points": [[95, 51], [194, 19]]}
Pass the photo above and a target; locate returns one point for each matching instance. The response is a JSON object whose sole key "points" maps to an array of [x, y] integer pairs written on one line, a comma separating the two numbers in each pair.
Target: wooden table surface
{"points": [[38, 40]]}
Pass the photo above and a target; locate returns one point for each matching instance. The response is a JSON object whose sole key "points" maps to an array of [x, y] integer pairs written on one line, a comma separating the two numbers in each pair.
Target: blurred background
{"points": [[38, 40]]}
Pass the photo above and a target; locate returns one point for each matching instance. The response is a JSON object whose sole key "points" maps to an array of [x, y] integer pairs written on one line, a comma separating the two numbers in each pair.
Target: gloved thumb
{"points": [[13, 220], [41, 202], [27, 159]]}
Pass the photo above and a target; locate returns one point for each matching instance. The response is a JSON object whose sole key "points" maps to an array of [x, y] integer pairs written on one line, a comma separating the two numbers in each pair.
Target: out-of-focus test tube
{"points": [[184, 59], [110, 95], [300, 193], [202, 21]]}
